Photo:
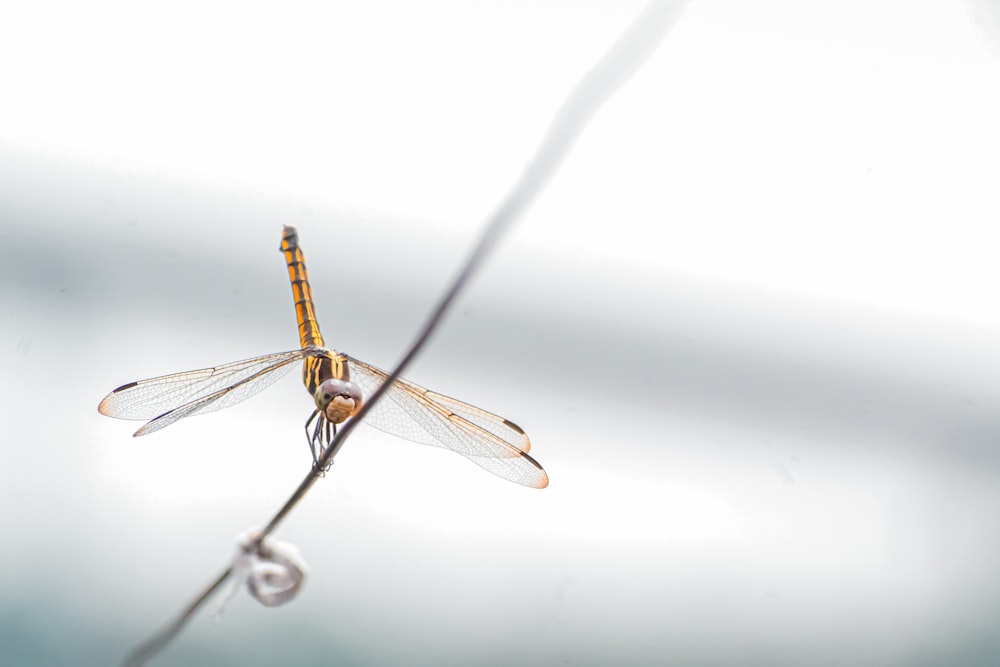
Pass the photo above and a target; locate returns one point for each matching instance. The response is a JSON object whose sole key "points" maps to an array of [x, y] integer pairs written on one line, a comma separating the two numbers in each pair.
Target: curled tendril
{"points": [[273, 572]]}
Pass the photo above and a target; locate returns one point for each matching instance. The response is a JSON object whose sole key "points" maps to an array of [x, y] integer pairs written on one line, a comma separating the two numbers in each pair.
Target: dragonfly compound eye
{"points": [[338, 399]]}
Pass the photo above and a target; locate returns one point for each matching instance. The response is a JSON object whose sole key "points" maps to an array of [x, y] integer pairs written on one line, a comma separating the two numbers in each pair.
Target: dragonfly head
{"points": [[338, 399]]}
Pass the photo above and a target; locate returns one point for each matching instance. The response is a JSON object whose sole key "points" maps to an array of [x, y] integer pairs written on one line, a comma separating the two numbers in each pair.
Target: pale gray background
{"points": [[751, 329]]}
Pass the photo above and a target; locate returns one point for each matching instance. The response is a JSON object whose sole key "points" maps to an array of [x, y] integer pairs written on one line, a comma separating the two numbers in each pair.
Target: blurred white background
{"points": [[751, 329]]}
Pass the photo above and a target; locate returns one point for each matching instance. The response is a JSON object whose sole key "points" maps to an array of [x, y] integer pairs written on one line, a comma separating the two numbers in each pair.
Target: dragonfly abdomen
{"points": [[301, 291]]}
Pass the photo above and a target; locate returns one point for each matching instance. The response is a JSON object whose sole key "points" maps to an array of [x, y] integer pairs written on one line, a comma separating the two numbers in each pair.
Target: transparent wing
{"points": [[412, 412], [168, 398]]}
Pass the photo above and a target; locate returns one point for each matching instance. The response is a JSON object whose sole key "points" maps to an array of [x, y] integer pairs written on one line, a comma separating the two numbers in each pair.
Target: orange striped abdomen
{"points": [[305, 312], [318, 369]]}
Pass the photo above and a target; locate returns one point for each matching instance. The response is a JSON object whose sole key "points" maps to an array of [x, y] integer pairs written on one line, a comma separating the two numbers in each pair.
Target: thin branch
{"points": [[143, 652], [624, 57]]}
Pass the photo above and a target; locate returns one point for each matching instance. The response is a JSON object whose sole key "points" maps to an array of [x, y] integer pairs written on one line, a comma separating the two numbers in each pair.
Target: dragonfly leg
{"points": [[329, 432], [310, 421], [317, 440], [314, 437], [321, 436]]}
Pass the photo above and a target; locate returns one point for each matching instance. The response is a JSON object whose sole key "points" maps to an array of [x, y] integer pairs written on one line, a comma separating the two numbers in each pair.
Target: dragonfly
{"points": [[338, 384]]}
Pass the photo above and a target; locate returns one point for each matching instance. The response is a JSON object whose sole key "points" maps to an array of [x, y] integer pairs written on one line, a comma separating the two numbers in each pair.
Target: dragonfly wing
{"points": [[506, 430], [522, 470], [409, 411], [168, 398]]}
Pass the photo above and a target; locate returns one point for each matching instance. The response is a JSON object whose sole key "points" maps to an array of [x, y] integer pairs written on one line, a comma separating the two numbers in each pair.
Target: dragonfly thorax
{"points": [[338, 399]]}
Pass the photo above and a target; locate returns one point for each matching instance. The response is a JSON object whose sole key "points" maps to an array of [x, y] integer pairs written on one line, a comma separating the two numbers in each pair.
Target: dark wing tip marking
{"points": [[104, 405], [145, 428], [526, 447], [544, 479], [514, 426]]}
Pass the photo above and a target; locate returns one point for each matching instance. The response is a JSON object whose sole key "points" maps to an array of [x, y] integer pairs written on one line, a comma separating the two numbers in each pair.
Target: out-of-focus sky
{"points": [[751, 329]]}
